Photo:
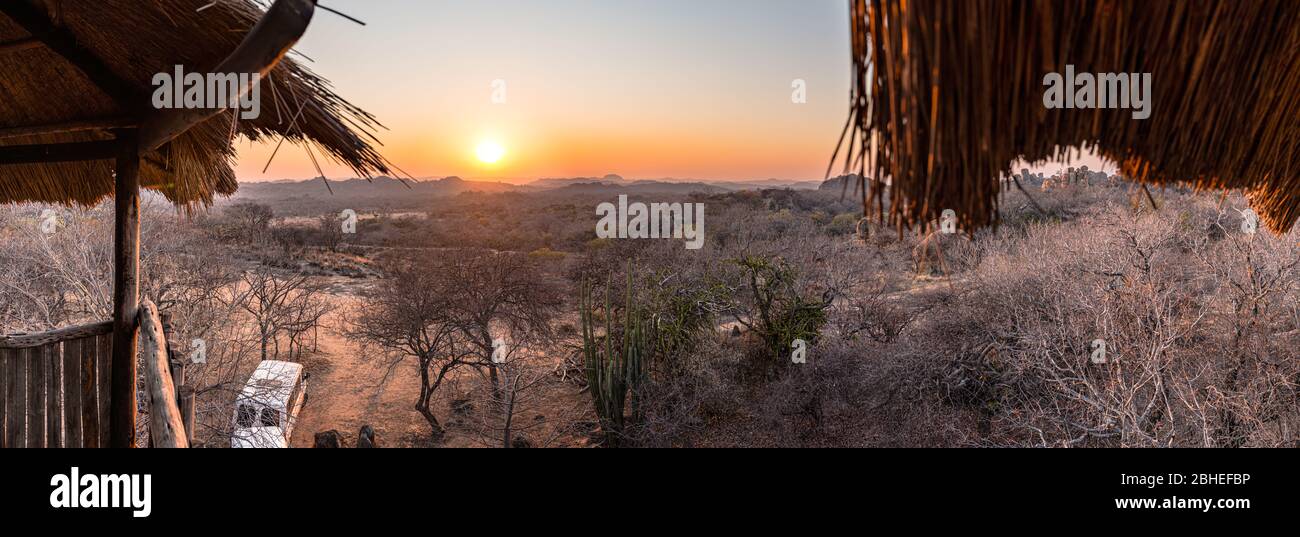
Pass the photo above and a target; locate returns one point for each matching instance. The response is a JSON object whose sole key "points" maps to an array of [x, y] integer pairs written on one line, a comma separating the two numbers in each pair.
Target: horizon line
{"points": [[532, 179]]}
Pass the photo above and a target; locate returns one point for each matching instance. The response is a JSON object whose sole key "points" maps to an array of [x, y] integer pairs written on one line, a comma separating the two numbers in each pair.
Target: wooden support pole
{"points": [[177, 365], [184, 392], [126, 290], [187, 413]]}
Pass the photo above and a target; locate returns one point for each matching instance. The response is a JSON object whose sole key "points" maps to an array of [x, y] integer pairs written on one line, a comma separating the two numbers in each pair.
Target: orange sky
{"points": [[644, 89]]}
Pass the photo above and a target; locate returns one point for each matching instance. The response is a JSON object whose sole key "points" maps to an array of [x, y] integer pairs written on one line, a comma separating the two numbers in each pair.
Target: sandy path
{"points": [[347, 390]]}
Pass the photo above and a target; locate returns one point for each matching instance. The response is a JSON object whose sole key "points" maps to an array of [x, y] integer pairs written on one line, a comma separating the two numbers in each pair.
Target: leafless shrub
{"points": [[284, 308], [447, 314], [1020, 344]]}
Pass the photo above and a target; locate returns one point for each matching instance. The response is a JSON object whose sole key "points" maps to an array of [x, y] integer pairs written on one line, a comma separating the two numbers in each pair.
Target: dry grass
{"points": [[137, 39], [948, 95]]}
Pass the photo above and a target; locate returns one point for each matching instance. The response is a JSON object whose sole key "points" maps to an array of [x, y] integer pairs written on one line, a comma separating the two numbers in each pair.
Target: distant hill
{"points": [[639, 187], [561, 183], [311, 196], [379, 187], [837, 184], [674, 184], [771, 183], [292, 197]]}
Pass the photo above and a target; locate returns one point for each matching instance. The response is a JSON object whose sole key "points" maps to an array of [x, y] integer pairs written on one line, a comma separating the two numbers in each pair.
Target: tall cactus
{"points": [[614, 372]]}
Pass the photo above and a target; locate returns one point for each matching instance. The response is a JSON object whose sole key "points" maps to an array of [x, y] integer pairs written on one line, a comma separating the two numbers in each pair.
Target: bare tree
{"points": [[331, 232], [55, 275], [62, 275], [248, 221], [522, 383], [456, 311], [498, 295], [408, 315], [281, 306]]}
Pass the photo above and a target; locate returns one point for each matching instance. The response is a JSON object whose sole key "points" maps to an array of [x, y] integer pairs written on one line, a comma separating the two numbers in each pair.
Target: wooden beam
{"points": [[24, 341], [68, 126], [126, 290], [166, 425], [65, 44], [278, 31], [44, 153], [26, 43]]}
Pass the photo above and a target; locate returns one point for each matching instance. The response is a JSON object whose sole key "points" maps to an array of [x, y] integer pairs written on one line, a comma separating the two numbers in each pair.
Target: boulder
{"points": [[329, 439], [366, 437]]}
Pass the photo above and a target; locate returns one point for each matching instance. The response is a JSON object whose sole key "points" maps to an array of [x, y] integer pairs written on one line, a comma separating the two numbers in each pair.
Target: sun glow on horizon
{"points": [[490, 152], [594, 88]]}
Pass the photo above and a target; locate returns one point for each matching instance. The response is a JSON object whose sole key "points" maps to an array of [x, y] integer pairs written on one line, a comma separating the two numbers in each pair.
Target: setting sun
{"points": [[490, 152]]}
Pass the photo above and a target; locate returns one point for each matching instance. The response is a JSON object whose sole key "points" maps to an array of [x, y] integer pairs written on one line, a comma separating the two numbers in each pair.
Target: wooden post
{"points": [[187, 412], [126, 290], [166, 426], [184, 392], [177, 364]]}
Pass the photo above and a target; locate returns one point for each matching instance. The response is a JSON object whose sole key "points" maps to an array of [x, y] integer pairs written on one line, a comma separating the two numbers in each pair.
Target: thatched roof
{"points": [[135, 39], [949, 94]]}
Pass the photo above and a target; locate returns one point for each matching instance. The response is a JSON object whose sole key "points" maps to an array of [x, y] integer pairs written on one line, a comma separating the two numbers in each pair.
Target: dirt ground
{"points": [[349, 389]]}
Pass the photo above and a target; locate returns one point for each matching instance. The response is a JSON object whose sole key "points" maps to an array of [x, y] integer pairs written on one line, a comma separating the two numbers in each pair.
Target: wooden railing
{"points": [[56, 387], [166, 426]]}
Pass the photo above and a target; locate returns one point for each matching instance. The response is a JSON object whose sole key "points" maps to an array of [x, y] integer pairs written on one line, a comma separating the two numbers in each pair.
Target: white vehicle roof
{"points": [[259, 437], [271, 384]]}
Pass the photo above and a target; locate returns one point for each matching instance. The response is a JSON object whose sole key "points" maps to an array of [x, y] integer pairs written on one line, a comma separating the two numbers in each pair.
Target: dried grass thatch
{"points": [[948, 94], [137, 39]]}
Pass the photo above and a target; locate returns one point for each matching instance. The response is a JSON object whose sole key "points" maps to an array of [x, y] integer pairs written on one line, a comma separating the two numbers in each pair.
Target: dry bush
{"points": [[1201, 325], [65, 278], [448, 314], [1194, 354]]}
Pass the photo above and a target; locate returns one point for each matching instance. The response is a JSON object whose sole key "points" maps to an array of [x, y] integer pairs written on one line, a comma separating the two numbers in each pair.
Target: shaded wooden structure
{"points": [[78, 125], [56, 388]]}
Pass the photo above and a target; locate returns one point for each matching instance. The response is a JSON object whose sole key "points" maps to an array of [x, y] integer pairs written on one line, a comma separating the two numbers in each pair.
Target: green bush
{"points": [[545, 253], [844, 224], [780, 312]]}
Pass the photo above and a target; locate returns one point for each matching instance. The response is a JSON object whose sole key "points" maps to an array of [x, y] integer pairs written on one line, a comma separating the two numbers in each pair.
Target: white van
{"points": [[268, 406]]}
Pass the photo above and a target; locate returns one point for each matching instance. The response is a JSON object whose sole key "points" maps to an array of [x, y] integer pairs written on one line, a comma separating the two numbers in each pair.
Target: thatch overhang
{"points": [[948, 94], [130, 41]]}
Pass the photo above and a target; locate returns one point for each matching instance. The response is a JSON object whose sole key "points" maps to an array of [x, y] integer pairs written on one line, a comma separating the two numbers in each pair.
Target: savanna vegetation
{"points": [[521, 328]]}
